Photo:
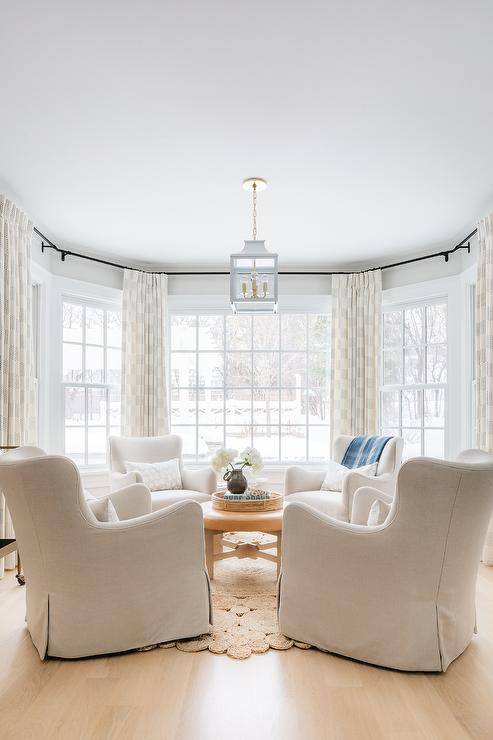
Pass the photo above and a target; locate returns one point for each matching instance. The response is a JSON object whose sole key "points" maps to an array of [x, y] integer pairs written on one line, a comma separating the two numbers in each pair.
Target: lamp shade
{"points": [[254, 279]]}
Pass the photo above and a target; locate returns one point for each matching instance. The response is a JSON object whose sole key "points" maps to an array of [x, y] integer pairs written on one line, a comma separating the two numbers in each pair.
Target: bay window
{"points": [[239, 380], [91, 378], [413, 396]]}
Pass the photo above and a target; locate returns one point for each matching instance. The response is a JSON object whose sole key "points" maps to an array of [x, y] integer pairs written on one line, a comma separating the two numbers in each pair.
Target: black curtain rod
{"points": [[464, 244]]}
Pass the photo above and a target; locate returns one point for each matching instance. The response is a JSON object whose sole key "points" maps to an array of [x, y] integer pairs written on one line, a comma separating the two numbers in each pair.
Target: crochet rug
{"points": [[244, 608]]}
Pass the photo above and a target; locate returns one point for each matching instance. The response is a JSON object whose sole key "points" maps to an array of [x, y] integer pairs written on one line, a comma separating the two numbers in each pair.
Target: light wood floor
{"points": [[280, 695]]}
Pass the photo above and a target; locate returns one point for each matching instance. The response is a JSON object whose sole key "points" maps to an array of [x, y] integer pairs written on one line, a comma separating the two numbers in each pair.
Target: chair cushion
{"points": [[378, 513], [334, 477], [103, 509], [328, 502], [158, 476], [160, 499]]}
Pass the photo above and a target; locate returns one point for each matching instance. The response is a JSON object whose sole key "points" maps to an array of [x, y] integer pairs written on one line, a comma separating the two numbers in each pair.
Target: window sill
{"points": [[280, 468]]}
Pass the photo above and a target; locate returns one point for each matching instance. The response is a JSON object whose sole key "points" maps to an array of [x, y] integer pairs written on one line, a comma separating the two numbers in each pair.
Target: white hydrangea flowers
{"points": [[252, 458], [225, 456]]}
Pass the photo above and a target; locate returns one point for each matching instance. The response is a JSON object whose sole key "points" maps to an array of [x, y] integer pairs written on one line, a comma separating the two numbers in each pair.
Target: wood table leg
{"points": [[218, 543], [20, 576], [209, 552]]}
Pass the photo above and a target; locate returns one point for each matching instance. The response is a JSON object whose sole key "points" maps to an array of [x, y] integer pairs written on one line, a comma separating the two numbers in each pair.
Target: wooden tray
{"points": [[264, 504]]}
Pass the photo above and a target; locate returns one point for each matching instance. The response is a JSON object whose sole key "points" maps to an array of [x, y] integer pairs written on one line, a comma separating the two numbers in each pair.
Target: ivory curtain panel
{"points": [[17, 382], [144, 392], [484, 353], [356, 328]]}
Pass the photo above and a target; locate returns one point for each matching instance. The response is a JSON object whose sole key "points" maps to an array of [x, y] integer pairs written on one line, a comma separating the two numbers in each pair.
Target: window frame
{"points": [[198, 310], [410, 304], [470, 365], [100, 304]]}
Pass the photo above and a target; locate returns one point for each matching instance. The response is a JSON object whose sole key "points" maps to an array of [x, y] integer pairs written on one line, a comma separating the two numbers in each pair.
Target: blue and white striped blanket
{"points": [[364, 451]]}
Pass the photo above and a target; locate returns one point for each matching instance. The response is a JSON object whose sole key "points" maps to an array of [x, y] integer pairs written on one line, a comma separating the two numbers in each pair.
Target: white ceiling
{"points": [[126, 128]]}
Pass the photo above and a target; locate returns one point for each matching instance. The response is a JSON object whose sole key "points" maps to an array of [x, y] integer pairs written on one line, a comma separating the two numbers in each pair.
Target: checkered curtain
{"points": [[144, 392], [17, 382], [355, 348], [484, 353]]}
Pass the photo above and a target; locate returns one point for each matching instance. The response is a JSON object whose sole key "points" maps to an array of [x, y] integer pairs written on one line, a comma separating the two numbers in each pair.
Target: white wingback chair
{"points": [[303, 486], [129, 502], [400, 594], [93, 587], [474, 455], [198, 485]]}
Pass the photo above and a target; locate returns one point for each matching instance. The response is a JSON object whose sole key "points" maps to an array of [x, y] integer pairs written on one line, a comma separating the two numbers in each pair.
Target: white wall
{"points": [[431, 269], [112, 277]]}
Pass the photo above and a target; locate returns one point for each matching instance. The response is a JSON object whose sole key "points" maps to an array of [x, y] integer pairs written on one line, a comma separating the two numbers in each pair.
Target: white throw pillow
{"points": [[159, 476], [336, 473], [103, 510], [378, 513]]}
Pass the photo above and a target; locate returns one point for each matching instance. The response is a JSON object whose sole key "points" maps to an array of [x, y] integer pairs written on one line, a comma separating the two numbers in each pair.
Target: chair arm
{"points": [[363, 501], [132, 501], [334, 559], [334, 545], [203, 480], [171, 535], [354, 480], [148, 568], [335, 576], [121, 480], [360, 591], [298, 479]]}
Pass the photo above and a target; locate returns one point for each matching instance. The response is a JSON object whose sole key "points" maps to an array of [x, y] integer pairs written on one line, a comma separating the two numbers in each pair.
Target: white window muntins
{"points": [[413, 394], [250, 380], [91, 377]]}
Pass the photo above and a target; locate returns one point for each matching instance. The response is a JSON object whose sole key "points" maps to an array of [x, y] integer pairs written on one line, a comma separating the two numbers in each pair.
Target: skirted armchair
{"points": [[303, 486], [400, 594], [103, 587], [198, 485]]}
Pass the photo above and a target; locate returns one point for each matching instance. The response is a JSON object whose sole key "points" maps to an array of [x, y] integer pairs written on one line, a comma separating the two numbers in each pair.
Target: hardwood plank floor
{"points": [[280, 695]]}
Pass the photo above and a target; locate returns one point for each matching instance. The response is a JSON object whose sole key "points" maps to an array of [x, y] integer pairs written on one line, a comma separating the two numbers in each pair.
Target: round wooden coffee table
{"points": [[218, 547]]}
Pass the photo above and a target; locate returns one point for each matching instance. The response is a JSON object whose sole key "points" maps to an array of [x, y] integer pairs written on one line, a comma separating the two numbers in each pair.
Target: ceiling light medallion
{"points": [[253, 271]]}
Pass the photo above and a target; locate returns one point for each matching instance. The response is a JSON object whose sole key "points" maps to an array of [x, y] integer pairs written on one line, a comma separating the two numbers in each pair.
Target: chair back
{"points": [[438, 523], [23, 453], [143, 450], [46, 501], [390, 459], [474, 455]]}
